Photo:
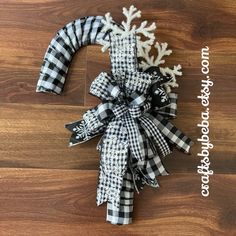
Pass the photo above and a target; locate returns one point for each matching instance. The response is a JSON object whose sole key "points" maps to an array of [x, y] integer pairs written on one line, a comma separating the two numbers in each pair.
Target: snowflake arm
{"points": [[126, 28]]}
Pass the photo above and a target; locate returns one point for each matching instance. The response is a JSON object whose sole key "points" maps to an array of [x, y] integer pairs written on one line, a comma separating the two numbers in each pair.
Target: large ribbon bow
{"points": [[133, 118]]}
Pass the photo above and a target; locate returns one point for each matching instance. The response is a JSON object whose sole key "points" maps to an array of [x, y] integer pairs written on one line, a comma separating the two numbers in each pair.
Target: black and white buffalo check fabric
{"points": [[124, 212], [175, 136], [155, 135], [136, 132], [68, 40]]}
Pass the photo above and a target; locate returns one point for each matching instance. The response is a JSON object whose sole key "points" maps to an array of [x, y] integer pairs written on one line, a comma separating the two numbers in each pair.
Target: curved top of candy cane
{"points": [[95, 30], [63, 46]]}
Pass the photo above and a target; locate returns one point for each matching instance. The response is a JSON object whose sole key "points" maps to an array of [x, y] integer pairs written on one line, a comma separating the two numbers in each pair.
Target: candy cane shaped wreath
{"points": [[136, 105]]}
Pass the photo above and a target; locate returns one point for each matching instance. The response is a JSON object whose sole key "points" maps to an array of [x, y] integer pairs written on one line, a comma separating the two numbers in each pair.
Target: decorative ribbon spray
{"points": [[133, 116]]}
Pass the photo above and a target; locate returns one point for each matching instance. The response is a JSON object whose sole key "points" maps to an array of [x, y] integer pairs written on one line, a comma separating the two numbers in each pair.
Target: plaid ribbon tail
{"points": [[169, 131], [123, 214], [134, 137], [146, 170], [155, 136]]}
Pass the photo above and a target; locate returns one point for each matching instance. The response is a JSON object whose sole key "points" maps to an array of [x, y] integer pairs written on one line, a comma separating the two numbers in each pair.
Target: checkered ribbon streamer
{"points": [[136, 132]]}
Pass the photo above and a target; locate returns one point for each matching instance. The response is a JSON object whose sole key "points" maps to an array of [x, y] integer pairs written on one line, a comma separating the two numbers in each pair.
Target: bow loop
{"points": [[137, 81], [105, 88], [104, 111]]}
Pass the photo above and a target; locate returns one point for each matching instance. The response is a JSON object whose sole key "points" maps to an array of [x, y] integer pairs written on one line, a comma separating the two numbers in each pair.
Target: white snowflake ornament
{"points": [[145, 40], [126, 28]]}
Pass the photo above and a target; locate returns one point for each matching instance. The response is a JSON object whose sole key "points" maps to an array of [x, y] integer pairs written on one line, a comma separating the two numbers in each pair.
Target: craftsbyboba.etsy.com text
{"points": [[204, 168]]}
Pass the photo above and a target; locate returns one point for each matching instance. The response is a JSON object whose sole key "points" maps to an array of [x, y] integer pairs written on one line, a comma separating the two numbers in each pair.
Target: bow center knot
{"points": [[121, 109]]}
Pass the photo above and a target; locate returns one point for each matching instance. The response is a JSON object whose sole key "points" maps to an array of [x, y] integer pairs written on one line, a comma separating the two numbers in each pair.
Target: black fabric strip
{"points": [[66, 32], [74, 31], [82, 23], [98, 31], [90, 30]]}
